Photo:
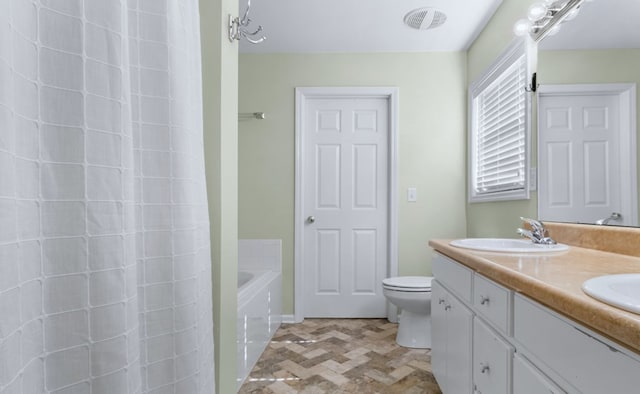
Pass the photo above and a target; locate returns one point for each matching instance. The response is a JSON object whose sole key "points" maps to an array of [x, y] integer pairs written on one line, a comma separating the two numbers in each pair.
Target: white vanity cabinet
{"points": [[491, 360], [587, 362], [517, 345], [527, 379], [468, 354], [493, 303], [451, 340]]}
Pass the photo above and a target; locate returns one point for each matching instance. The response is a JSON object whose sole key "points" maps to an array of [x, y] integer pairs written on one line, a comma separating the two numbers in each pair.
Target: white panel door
{"points": [[578, 142], [345, 197]]}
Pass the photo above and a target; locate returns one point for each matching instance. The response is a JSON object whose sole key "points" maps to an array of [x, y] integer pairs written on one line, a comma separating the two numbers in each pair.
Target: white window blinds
{"points": [[499, 126]]}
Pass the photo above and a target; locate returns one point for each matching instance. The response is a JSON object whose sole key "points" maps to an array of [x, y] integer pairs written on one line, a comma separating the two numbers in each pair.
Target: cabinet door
{"points": [[588, 363], [491, 360], [439, 300], [527, 379], [459, 347]]}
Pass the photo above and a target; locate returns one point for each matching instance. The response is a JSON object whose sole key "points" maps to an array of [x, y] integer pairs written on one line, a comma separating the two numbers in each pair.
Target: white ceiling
{"points": [[600, 24], [307, 26], [304, 26]]}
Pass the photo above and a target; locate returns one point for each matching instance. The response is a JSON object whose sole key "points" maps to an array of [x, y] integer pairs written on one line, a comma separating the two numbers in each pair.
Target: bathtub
{"points": [[259, 312], [243, 278]]}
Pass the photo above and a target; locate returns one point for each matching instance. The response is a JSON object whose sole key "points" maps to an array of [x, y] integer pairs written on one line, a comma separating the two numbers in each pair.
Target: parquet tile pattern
{"points": [[340, 356]]}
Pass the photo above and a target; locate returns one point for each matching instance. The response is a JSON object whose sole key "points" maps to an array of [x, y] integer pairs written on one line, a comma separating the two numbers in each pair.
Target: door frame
{"points": [[302, 95], [626, 93]]}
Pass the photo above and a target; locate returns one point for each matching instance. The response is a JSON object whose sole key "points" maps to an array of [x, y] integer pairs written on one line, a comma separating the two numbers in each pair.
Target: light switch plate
{"points": [[412, 194], [533, 179]]}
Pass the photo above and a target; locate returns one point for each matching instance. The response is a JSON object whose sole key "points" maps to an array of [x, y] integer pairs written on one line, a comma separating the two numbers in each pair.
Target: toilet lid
{"points": [[408, 282]]}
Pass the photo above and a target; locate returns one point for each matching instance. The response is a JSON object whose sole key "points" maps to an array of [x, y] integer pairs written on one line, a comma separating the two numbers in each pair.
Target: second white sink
{"points": [[507, 245], [622, 290]]}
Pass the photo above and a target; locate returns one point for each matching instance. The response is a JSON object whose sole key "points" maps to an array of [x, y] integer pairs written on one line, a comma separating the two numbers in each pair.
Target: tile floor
{"points": [[340, 356]]}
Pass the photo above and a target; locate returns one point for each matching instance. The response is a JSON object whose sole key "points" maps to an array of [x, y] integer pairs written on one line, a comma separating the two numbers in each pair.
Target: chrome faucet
{"points": [[614, 216], [538, 234]]}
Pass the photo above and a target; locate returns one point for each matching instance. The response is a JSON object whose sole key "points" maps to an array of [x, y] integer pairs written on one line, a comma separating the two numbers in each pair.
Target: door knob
{"points": [[311, 219]]}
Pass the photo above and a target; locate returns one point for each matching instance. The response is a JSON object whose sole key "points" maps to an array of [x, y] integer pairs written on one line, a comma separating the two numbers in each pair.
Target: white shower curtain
{"points": [[105, 278]]}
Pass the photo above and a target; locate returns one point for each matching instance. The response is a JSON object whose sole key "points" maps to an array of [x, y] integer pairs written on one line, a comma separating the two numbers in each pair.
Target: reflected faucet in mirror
{"points": [[614, 216]]}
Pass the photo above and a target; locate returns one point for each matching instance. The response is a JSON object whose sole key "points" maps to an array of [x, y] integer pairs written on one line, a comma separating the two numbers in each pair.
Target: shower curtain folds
{"points": [[105, 277]]}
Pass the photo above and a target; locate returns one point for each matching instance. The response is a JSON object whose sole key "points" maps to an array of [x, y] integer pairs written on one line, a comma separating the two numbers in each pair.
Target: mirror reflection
{"points": [[587, 123]]}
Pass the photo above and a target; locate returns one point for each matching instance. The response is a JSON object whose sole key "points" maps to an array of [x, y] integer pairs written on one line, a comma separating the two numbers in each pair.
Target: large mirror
{"points": [[587, 74]]}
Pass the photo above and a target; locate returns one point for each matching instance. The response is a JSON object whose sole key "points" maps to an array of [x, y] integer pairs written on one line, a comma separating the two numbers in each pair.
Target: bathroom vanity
{"points": [[509, 323]]}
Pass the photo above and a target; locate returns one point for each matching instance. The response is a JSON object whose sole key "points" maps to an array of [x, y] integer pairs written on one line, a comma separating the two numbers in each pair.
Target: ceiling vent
{"points": [[425, 18]]}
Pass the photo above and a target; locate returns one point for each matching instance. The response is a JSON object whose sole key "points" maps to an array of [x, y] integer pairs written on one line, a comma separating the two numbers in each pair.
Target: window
{"points": [[499, 129]]}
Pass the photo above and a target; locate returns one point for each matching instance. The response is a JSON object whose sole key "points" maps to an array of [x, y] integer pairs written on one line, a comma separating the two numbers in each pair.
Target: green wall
{"points": [[496, 219], [432, 127], [220, 94]]}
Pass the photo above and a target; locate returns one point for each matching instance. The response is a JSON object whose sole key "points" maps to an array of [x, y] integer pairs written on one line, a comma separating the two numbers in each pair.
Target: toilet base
{"points": [[414, 330]]}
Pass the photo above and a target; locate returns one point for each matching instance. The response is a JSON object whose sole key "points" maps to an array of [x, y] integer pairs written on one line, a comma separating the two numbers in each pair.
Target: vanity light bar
{"points": [[545, 18], [557, 17]]}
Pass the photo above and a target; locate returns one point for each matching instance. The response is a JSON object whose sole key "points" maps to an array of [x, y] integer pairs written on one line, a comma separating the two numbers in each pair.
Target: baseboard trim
{"points": [[288, 319]]}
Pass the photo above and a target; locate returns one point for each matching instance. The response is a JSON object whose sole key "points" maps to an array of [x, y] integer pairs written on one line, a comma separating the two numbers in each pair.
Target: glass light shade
{"points": [[553, 31], [572, 14], [521, 27], [555, 4], [537, 11]]}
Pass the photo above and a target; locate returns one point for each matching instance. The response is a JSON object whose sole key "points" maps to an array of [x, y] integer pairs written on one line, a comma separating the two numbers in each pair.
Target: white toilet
{"points": [[412, 294]]}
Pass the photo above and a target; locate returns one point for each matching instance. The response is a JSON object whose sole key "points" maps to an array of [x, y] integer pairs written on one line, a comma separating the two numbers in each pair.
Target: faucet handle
{"points": [[536, 225], [538, 233], [525, 233]]}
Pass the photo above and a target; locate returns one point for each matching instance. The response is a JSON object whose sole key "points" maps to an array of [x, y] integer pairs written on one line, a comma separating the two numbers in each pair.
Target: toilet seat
{"points": [[412, 296], [408, 283]]}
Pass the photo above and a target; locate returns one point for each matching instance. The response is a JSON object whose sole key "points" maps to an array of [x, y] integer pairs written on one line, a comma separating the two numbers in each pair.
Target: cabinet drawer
{"points": [[527, 379], [589, 363], [493, 302], [491, 361], [453, 275]]}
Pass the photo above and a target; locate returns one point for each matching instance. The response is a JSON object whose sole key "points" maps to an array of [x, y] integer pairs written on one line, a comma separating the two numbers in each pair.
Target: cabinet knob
{"points": [[440, 300], [484, 300], [484, 368], [447, 307]]}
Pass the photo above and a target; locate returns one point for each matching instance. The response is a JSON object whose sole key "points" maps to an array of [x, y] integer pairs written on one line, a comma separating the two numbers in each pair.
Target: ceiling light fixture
{"points": [[544, 18]]}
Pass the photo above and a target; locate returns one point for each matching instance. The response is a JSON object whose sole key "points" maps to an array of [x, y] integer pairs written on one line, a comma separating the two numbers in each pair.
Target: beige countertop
{"points": [[555, 280]]}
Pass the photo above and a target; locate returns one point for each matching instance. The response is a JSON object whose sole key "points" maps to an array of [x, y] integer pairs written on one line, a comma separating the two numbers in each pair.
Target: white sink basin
{"points": [[622, 291], [507, 245]]}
